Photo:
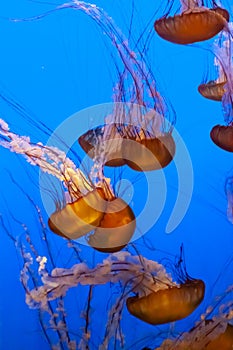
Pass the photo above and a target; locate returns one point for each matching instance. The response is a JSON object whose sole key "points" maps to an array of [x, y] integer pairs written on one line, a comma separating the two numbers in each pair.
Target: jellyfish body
{"points": [[212, 90], [129, 145], [168, 305], [94, 138], [112, 220], [222, 136], [196, 24], [224, 341], [115, 229], [151, 153], [78, 218]]}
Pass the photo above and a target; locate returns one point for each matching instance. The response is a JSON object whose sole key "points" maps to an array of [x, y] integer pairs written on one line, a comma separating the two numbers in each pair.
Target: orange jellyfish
{"points": [[110, 217], [168, 305], [223, 341], [213, 90], [94, 137], [194, 23], [129, 145], [222, 136], [87, 206], [147, 152]]}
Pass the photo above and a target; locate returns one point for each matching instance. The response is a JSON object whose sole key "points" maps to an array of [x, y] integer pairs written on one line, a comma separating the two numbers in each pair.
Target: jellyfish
{"points": [[195, 23], [130, 145], [147, 127], [221, 89], [168, 305], [208, 333], [89, 207], [171, 304], [222, 136], [214, 89]]}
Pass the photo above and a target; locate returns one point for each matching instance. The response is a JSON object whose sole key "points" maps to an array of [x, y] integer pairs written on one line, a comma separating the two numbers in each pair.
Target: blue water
{"points": [[62, 64]]}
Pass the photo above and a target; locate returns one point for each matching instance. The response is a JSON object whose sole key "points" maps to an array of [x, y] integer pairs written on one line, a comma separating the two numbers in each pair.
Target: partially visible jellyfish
{"points": [[196, 22], [127, 127], [88, 206], [222, 135], [213, 331], [214, 89], [229, 195]]}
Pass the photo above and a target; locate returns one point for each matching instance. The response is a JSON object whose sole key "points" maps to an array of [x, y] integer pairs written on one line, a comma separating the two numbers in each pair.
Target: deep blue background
{"points": [[59, 65]]}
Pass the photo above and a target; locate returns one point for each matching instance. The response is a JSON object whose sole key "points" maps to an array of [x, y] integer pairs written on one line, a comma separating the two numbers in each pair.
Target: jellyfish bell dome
{"points": [[92, 143], [78, 218], [195, 24], [150, 152], [129, 145], [110, 218], [168, 305], [224, 341], [222, 136], [212, 90], [116, 227]]}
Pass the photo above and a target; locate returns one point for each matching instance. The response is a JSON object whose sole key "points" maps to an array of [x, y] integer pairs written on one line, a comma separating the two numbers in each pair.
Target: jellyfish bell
{"points": [[115, 229], [78, 218], [212, 90], [222, 136], [192, 25], [130, 145], [223, 341], [92, 142], [149, 152], [168, 305]]}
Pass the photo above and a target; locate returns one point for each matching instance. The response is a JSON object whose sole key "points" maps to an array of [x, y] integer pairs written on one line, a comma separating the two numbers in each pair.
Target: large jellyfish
{"points": [[196, 22], [89, 206], [127, 128]]}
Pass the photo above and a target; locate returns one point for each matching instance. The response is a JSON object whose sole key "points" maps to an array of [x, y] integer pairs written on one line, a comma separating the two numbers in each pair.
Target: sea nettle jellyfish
{"points": [[214, 89], [221, 89], [168, 305], [210, 333], [215, 86], [149, 128], [133, 272], [222, 136], [195, 23], [141, 148], [87, 207]]}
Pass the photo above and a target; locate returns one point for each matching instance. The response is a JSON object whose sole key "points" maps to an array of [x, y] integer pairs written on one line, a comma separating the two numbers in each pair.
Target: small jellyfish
{"points": [[213, 90], [221, 89], [222, 136], [194, 23]]}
